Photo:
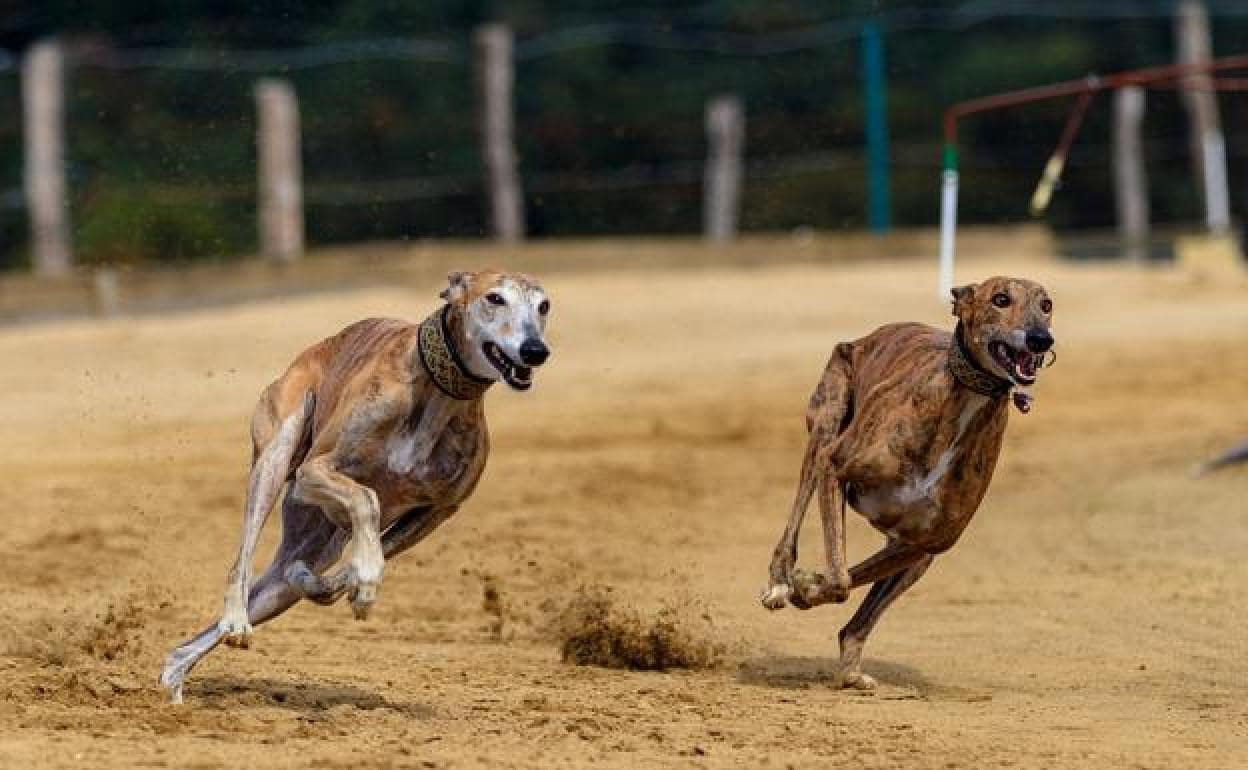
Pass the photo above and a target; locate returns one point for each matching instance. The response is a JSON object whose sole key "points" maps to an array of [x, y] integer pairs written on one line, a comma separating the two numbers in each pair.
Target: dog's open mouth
{"points": [[1021, 364], [515, 375]]}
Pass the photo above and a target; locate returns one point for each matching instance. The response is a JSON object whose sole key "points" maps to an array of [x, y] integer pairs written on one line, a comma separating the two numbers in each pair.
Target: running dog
{"points": [[906, 425], [378, 434]]}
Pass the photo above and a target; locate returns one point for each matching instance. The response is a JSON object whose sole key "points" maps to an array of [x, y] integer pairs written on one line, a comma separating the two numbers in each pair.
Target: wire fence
{"points": [[1165, 150], [552, 169]]}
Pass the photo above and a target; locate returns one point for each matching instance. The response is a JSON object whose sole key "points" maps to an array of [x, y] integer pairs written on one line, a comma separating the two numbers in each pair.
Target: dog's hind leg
{"points": [[854, 635], [268, 473], [414, 526], [315, 588], [894, 557], [410, 529], [306, 535]]}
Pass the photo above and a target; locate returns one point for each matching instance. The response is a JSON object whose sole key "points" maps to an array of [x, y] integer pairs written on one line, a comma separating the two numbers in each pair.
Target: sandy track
{"points": [[1092, 616]]}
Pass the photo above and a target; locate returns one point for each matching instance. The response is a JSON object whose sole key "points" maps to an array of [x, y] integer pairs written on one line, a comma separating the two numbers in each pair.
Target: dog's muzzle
{"points": [[518, 374], [1038, 340], [534, 352], [1019, 364]]}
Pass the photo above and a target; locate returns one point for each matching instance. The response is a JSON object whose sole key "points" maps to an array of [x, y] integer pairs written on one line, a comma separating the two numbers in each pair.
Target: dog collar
{"points": [[971, 374], [439, 357]]}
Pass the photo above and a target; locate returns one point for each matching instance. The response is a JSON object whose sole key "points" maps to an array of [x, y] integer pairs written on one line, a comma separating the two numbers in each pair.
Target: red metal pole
{"points": [[1086, 86], [1089, 84], [1057, 162]]}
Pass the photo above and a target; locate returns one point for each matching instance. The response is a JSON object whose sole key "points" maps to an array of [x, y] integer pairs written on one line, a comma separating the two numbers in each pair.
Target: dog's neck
{"points": [[438, 348], [969, 374]]}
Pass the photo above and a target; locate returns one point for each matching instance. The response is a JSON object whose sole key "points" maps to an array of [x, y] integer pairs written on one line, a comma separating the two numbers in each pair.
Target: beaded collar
{"points": [[971, 374], [439, 357]]}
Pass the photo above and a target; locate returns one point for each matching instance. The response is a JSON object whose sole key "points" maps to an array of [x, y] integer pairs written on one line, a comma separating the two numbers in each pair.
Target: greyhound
{"points": [[906, 425], [378, 434]]}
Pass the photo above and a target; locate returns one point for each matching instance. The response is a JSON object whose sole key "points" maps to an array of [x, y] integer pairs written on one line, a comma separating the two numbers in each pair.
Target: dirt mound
{"points": [[83, 654], [596, 629], [65, 638]]}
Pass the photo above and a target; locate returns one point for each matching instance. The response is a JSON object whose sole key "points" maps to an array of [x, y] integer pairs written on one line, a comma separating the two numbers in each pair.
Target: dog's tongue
{"points": [[1026, 363]]}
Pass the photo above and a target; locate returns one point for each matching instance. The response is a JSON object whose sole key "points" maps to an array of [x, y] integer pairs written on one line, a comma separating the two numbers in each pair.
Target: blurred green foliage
{"points": [[162, 161]]}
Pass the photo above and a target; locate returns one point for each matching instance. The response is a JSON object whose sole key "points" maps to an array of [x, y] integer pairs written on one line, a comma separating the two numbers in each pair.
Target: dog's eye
{"points": [[1046, 305], [494, 298], [544, 307], [1001, 299]]}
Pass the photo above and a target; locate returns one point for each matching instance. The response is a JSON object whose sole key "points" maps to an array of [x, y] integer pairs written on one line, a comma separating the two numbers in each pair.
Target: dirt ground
{"points": [[1092, 616]]}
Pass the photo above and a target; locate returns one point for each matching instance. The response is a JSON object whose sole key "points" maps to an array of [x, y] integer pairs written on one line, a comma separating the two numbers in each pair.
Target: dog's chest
{"points": [[431, 457], [913, 497]]}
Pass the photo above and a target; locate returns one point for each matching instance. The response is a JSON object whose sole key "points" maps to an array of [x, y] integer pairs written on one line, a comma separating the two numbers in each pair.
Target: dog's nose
{"points": [[1039, 340], [534, 352]]}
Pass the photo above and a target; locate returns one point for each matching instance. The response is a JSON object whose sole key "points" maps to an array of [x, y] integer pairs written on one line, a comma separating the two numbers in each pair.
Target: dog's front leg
{"points": [[780, 589], [412, 528], [817, 589], [268, 474], [353, 507]]}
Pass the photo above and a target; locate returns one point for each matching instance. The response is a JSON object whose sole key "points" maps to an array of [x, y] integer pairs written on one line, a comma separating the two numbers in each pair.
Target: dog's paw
{"points": [[775, 597], [235, 631], [856, 680], [808, 589], [299, 577], [833, 594], [363, 580], [310, 585], [171, 679], [362, 598]]}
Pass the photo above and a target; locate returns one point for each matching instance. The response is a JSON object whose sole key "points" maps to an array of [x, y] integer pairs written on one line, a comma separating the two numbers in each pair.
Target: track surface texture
{"points": [[1093, 615]]}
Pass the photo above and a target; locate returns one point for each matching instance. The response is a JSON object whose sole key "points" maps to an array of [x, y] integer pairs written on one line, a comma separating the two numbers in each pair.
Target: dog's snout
{"points": [[533, 352], [1039, 340]]}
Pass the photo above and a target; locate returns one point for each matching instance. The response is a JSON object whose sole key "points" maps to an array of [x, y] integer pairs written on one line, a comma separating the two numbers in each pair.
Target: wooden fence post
{"points": [[1130, 178], [47, 203], [280, 170], [106, 292], [1207, 141], [725, 134], [495, 79]]}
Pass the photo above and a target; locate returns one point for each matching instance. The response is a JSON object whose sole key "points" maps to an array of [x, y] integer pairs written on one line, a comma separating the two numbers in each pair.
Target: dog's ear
{"points": [[962, 296], [457, 282]]}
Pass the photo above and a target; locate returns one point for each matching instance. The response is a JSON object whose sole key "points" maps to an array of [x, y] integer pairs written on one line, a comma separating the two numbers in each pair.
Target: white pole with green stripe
{"points": [[948, 218]]}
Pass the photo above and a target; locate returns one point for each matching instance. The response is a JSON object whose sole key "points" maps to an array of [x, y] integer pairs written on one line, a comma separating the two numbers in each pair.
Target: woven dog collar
{"points": [[447, 370], [970, 374]]}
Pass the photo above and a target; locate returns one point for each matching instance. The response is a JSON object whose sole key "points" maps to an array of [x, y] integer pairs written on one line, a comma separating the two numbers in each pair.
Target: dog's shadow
{"points": [[787, 672], [306, 698]]}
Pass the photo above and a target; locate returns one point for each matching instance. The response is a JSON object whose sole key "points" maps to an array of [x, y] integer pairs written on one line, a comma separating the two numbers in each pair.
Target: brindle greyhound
{"points": [[906, 425], [379, 435]]}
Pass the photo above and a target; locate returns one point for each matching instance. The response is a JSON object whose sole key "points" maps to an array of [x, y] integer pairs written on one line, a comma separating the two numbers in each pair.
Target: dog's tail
{"points": [[1237, 455]]}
